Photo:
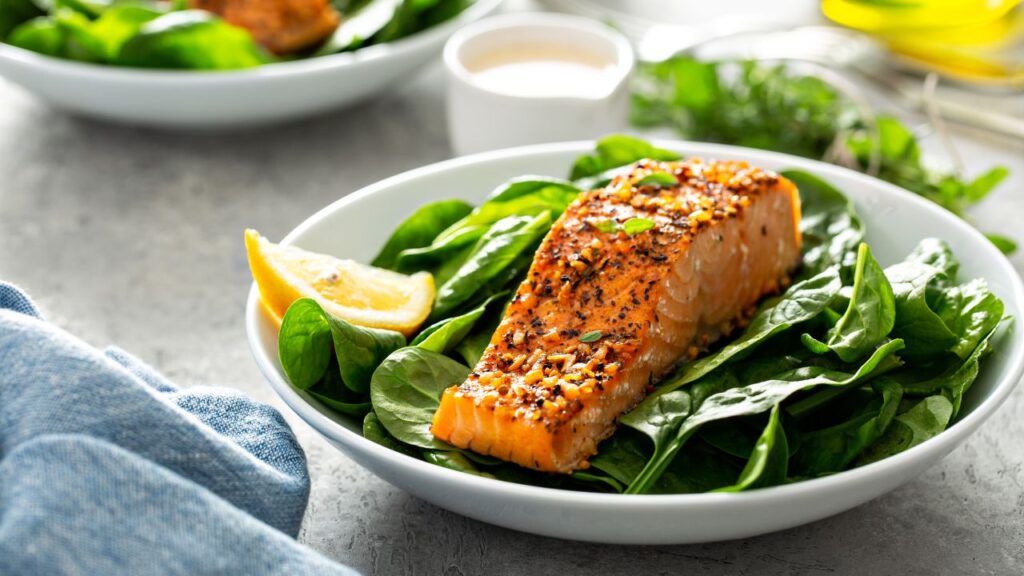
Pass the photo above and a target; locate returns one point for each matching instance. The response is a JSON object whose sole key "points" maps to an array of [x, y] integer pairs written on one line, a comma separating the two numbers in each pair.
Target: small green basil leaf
{"points": [[637, 225], [658, 180]]}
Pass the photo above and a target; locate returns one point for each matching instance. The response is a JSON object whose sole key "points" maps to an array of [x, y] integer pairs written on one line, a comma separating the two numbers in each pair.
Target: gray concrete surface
{"points": [[135, 237]]}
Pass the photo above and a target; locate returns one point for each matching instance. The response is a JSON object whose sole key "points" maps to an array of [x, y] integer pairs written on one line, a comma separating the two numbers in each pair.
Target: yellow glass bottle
{"points": [[978, 41]]}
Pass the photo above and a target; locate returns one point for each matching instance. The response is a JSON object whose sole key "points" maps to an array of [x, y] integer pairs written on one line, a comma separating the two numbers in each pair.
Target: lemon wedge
{"points": [[354, 292]]}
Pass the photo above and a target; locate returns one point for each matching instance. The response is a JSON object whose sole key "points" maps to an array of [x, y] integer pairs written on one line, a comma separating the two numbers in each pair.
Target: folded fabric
{"points": [[108, 468]]}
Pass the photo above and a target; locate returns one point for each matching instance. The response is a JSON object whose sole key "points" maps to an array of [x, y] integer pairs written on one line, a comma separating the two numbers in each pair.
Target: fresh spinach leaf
{"points": [[914, 284], [193, 39], [420, 229], [496, 250], [454, 460], [446, 334], [41, 34], [305, 344], [374, 430], [768, 463], [833, 449], [332, 392], [972, 312], [752, 398], [406, 391], [525, 196], [871, 313], [115, 26], [917, 421], [615, 151]]}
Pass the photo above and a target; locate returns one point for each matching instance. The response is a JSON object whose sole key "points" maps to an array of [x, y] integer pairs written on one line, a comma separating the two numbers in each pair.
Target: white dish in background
{"points": [[360, 223], [228, 99], [482, 116]]}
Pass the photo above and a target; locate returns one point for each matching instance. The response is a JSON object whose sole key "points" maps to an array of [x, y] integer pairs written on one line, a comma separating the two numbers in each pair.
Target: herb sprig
{"points": [[771, 107]]}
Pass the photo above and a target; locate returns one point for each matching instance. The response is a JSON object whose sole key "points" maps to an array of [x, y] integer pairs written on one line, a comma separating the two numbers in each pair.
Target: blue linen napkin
{"points": [[108, 468]]}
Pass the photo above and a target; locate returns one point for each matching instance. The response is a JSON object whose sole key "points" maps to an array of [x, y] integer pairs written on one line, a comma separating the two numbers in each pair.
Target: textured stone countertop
{"points": [[135, 237]]}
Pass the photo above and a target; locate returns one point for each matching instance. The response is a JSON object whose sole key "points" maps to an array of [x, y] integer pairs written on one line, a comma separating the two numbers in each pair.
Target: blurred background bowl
{"points": [[230, 99]]}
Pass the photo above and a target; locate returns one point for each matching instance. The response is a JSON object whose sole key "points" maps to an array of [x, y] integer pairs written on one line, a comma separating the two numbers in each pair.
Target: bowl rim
{"points": [[274, 70], [932, 448]]}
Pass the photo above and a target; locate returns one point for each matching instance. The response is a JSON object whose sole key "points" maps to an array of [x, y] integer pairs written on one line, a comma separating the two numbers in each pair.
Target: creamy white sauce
{"points": [[534, 70]]}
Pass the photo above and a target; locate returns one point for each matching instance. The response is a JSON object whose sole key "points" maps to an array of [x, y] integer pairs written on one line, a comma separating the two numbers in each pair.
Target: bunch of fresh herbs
{"points": [[769, 106]]}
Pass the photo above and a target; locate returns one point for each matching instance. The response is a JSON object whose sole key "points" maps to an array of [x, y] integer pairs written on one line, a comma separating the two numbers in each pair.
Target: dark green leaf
{"points": [[614, 151], [830, 228], [373, 430], [495, 251], [832, 449], [753, 398], [406, 391], [916, 423], [972, 312], [445, 335], [768, 463], [306, 337], [13, 13], [420, 229], [871, 313], [592, 336]]}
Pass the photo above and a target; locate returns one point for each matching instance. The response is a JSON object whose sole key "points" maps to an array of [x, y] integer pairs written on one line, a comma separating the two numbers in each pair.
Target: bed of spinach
{"points": [[161, 34], [852, 363]]}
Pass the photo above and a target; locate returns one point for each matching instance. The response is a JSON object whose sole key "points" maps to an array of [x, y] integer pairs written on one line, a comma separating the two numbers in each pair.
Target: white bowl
{"points": [[228, 99], [358, 224]]}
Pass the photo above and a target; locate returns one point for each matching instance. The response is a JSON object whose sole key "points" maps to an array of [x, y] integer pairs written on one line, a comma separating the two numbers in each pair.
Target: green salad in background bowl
{"points": [[894, 343], [220, 63]]}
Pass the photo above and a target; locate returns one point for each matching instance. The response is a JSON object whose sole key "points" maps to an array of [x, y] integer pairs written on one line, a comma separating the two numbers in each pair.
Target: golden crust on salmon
{"points": [[630, 279]]}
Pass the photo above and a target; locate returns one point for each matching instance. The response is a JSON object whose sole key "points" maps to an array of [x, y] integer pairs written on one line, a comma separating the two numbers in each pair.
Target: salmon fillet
{"points": [[281, 26], [603, 314]]}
